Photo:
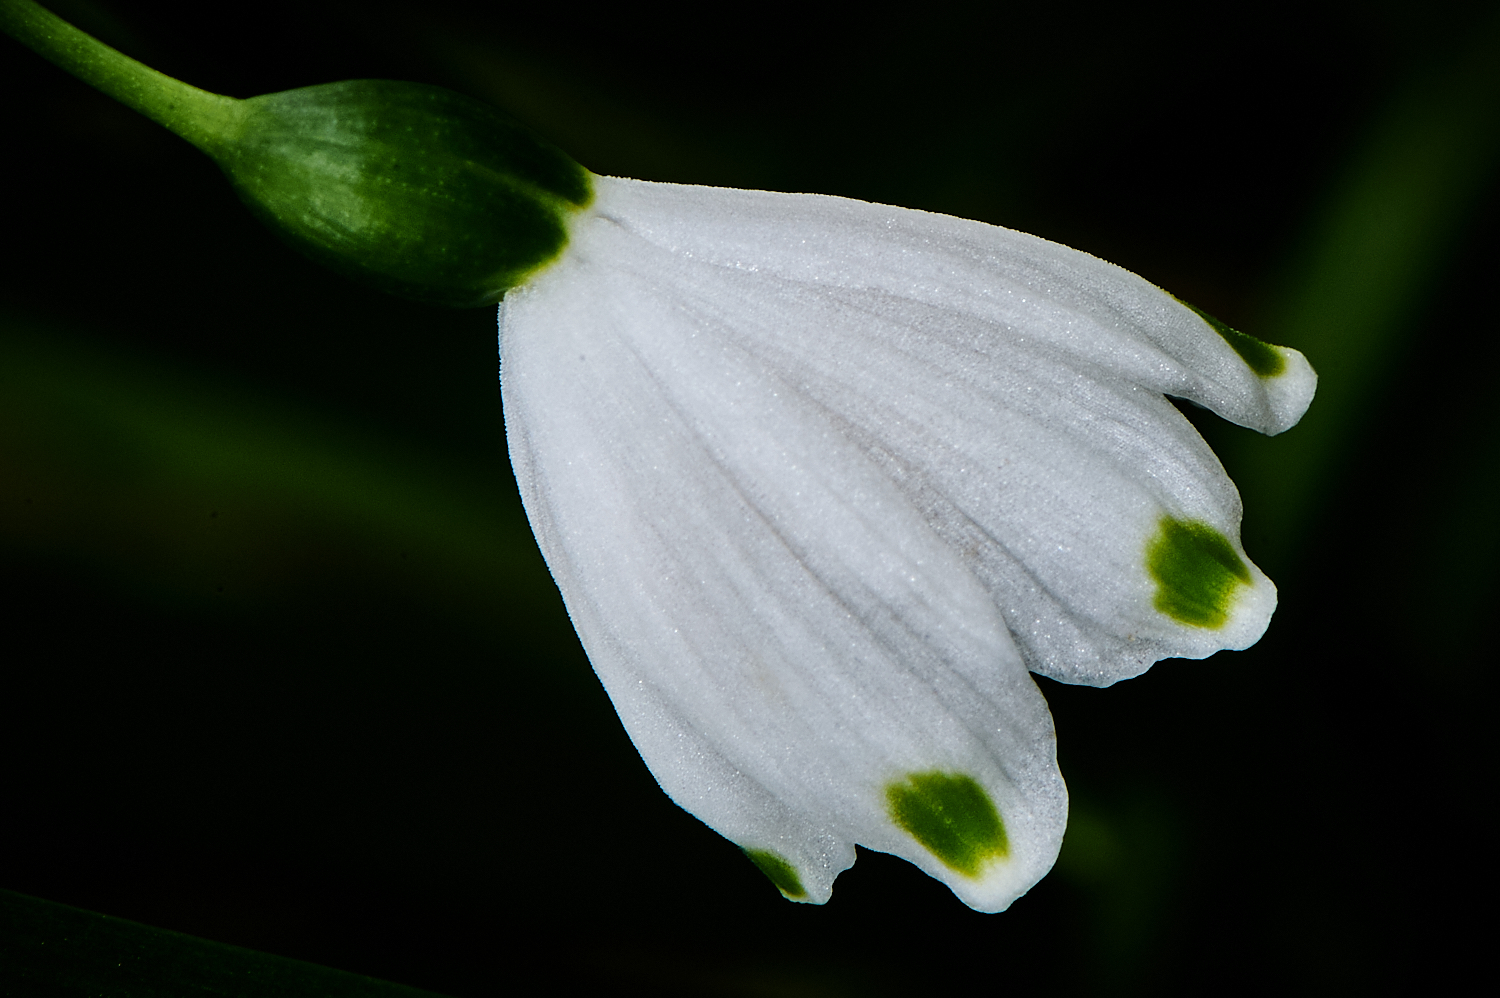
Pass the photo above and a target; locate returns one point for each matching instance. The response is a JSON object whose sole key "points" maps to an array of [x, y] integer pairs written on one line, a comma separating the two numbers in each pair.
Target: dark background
{"points": [[282, 668]]}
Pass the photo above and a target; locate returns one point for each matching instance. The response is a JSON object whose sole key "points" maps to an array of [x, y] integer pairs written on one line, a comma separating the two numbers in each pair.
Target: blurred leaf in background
{"points": [[283, 668], [50, 950]]}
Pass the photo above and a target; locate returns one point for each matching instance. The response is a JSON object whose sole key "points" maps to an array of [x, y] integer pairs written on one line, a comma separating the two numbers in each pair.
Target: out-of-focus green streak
{"points": [[1390, 227], [1125, 855], [211, 493], [1460, 552], [52, 949]]}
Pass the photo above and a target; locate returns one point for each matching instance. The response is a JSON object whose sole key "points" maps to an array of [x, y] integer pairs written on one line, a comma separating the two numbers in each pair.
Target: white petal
{"points": [[820, 479]]}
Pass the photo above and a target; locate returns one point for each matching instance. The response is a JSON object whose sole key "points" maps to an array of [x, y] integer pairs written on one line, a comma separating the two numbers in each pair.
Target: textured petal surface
{"points": [[820, 480]]}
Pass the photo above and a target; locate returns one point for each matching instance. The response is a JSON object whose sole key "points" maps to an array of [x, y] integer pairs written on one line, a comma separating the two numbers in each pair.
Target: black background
{"points": [[322, 739]]}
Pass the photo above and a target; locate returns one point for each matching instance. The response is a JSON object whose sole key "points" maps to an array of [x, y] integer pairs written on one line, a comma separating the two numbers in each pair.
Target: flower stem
{"points": [[413, 189], [208, 121]]}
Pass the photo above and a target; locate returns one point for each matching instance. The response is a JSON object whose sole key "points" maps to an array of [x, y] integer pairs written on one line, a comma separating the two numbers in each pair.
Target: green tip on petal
{"points": [[952, 816], [1262, 358], [779, 871], [1196, 570]]}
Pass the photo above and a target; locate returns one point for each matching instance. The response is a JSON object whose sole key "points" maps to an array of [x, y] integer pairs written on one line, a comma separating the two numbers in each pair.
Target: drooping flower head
{"points": [[820, 481]]}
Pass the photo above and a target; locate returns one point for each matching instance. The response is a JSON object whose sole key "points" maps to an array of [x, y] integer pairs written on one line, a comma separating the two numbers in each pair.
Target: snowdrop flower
{"points": [[820, 481]]}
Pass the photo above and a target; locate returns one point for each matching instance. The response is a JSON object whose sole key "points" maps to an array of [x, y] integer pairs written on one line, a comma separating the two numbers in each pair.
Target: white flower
{"points": [[821, 480]]}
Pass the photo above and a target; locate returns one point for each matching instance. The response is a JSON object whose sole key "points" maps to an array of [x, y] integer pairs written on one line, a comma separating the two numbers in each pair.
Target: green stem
{"points": [[208, 121]]}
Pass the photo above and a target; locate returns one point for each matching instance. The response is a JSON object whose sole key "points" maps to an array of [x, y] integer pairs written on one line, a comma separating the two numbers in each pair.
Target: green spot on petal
{"points": [[952, 816], [780, 872], [1262, 358], [1196, 570]]}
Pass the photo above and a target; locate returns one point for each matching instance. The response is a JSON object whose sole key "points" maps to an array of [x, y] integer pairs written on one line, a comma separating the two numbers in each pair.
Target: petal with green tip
{"points": [[821, 480], [1197, 571], [779, 872], [952, 817]]}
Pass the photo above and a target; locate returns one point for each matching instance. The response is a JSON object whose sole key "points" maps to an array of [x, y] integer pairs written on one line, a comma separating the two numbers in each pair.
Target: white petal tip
{"points": [[1290, 390]]}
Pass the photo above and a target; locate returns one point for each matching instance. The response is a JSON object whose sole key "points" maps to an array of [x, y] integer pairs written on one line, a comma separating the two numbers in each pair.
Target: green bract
{"points": [[417, 190]]}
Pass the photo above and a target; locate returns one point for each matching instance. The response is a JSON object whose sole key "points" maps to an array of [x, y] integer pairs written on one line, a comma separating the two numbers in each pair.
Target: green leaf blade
{"points": [[50, 950]]}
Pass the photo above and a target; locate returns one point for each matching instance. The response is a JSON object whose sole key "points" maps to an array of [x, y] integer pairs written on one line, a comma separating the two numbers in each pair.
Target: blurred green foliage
{"points": [[1350, 293], [199, 489], [284, 669], [50, 949]]}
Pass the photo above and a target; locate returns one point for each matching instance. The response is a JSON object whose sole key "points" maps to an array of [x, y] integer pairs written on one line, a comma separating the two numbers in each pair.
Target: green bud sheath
{"points": [[412, 189]]}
